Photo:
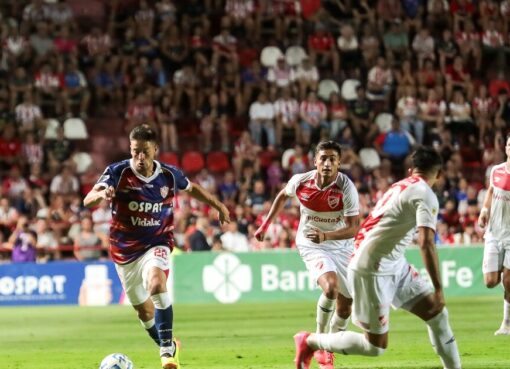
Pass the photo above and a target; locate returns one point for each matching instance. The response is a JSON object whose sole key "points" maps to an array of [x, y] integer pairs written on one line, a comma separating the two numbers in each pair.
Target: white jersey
{"points": [[500, 204], [324, 208], [390, 227]]}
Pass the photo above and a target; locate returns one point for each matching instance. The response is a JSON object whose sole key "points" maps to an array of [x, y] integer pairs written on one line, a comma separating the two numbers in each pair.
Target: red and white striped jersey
{"points": [[324, 208], [500, 204], [380, 243]]}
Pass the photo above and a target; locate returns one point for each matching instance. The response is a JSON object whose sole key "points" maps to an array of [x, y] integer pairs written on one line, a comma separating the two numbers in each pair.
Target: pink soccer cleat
{"points": [[303, 352], [324, 358]]}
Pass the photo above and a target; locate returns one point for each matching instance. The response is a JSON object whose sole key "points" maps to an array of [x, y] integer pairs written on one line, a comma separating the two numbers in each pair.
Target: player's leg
{"points": [[340, 318], [505, 324], [328, 282], [493, 257], [130, 276]]}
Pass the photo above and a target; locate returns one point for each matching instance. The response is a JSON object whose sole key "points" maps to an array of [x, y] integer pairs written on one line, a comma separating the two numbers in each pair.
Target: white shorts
{"points": [[133, 276], [496, 255], [374, 295], [320, 261]]}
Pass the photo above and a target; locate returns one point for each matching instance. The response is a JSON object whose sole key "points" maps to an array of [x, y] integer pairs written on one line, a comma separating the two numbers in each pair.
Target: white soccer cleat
{"points": [[504, 330]]}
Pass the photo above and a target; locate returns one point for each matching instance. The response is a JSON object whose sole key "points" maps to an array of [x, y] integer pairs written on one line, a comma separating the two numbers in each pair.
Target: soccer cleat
{"points": [[504, 330], [169, 361], [303, 352], [324, 358]]}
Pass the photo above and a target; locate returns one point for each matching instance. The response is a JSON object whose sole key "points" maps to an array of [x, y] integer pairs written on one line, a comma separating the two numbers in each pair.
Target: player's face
{"points": [[327, 163], [143, 154]]}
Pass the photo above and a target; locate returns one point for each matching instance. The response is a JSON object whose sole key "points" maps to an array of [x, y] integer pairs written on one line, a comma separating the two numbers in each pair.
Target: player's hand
{"points": [[224, 215], [260, 233], [482, 219], [109, 193], [315, 235]]}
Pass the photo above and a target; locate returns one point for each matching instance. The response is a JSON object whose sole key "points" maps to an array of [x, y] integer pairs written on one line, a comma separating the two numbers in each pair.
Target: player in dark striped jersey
{"points": [[142, 191]]}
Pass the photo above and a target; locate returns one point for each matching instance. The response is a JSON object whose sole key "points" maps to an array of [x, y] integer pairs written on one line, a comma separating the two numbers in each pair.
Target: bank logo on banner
{"points": [[227, 278]]}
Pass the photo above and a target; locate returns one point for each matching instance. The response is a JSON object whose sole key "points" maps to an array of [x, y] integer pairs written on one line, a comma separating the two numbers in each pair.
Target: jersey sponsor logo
{"points": [[333, 201], [315, 218], [164, 191], [145, 207], [142, 222]]}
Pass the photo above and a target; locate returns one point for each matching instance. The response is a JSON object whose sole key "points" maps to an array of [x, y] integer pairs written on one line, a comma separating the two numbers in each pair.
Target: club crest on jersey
{"points": [[333, 201], [163, 191]]}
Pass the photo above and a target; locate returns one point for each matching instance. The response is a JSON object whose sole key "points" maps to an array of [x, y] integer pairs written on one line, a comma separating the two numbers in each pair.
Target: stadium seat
{"points": [[169, 157], [217, 162], [51, 129], [75, 129], [349, 89], [82, 160], [326, 87], [192, 162], [287, 154], [383, 121], [269, 56], [294, 55], [369, 158]]}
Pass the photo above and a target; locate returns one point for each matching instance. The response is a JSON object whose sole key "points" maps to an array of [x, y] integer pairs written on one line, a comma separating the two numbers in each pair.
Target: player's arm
{"points": [[349, 231], [276, 207], [428, 252], [486, 208], [98, 193], [201, 194]]}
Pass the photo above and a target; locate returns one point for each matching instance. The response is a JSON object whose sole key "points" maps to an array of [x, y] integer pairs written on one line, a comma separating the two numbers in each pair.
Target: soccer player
{"points": [[329, 220], [379, 275], [494, 215], [142, 191]]}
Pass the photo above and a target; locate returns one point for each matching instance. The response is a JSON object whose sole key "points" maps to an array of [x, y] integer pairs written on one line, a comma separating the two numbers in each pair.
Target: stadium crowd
{"points": [[436, 71]]}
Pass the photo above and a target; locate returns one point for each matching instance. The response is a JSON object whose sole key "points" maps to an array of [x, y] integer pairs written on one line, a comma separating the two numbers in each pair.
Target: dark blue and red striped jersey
{"points": [[142, 208]]}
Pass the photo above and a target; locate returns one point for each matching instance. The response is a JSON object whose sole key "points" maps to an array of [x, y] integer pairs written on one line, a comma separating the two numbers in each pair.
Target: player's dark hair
{"points": [[143, 133], [329, 145], [426, 159]]}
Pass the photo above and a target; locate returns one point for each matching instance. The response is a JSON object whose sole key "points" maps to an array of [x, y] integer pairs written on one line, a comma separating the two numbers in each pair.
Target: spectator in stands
{"points": [[14, 185], [65, 183], [234, 241], [230, 85], [102, 217], [380, 81], [246, 153], [214, 117], [370, 46], [65, 44], [337, 115], [10, 148], [140, 111], [314, 114], [20, 84], [394, 145], [460, 114], [469, 42], [388, 11], [484, 108], [447, 49], [41, 43], [34, 12], [257, 197], [98, 45], [228, 189], [31, 202], [405, 77], [361, 116], [224, 48], [279, 76], [109, 83], [186, 83], [88, 245], [428, 77], [174, 49], [198, 239], [262, 116], [396, 42], [349, 50], [8, 218], [363, 14], [167, 116], [407, 112], [432, 112], [75, 90], [22, 242], [424, 46], [306, 76], [458, 76], [48, 86], [502, 119], [58, 151], [322, 50], [29, 116], [46, 240], [286, 110], [493, 44]]}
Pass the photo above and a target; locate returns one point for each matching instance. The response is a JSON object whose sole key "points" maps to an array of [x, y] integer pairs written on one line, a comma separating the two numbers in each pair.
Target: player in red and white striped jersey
{"points": [[494, 215], [380, 276], [329, 220]]}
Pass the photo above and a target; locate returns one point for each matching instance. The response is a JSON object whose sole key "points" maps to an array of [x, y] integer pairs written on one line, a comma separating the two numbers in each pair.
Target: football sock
{"points": [[346, 342], [443, 340], [150, 327], [506, 313], [325, 308], [164, 317], [338, 323]]}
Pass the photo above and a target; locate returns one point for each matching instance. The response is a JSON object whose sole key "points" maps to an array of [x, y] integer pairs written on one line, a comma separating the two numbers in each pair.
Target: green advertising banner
{"points": [[281, 275]]}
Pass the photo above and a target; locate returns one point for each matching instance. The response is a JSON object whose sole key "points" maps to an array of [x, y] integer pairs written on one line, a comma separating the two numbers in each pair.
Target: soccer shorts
{"points": [[373, 296], [320, 261], [133, 276], [496, 255]]}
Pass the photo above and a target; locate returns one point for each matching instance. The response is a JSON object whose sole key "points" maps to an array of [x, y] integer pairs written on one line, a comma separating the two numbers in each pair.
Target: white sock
{"points": [[325, 308], [443, 340], [161, 300], [148, 324], [506, 313], [346, 342], [338, 323]]}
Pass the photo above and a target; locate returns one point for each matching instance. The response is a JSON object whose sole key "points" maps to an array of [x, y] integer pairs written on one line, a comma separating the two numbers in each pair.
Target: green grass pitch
{"points": [[232, 337]]}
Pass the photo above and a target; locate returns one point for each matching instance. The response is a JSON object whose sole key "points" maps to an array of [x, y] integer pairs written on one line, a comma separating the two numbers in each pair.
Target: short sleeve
{"points": [[107, 179], [292, 185], [351, 199], [427, 208], [181, 181]]}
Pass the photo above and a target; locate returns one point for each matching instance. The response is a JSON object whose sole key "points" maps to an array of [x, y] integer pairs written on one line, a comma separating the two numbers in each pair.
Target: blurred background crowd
{"points": [[240, 92]]}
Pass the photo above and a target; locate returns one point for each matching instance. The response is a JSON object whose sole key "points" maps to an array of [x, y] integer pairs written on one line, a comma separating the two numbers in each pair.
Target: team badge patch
{"points": [[163, 191], [333, 201]]}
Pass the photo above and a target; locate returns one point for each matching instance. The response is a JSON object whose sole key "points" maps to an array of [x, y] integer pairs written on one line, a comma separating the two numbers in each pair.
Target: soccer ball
{"points": [[116, 361]]}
